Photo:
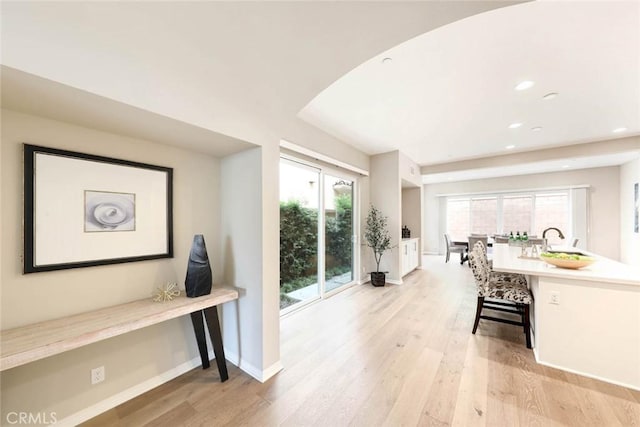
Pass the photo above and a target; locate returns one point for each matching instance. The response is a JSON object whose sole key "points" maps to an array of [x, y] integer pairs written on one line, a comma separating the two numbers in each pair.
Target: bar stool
{"points": [[505, 292]]}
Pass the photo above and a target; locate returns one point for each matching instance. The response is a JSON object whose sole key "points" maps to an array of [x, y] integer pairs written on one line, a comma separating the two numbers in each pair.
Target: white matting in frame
{"points": [[92, 210]]}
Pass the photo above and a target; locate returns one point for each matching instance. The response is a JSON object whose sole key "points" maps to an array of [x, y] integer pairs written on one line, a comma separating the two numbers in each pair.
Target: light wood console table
{"points": [[25, 344]]}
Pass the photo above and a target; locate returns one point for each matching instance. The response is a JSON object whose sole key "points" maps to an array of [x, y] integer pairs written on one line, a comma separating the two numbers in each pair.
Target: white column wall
{"points": [[249, 329], [385, 194]]}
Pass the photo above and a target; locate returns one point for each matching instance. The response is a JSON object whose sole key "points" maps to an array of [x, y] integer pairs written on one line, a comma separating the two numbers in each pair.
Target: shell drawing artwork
{"points": [[111, 214], [106, 211], [166, 292]]}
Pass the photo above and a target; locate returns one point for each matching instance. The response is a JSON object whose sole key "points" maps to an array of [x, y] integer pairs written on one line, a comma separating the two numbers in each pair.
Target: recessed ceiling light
{"points": [[515, 125], [619, 130], [524, 85], [550, 95], [510, 147], [387, 60], [536, 128]]}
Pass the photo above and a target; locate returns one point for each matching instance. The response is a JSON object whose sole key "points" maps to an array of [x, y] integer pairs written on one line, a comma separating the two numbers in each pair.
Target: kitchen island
{"points": [[584, 321]]}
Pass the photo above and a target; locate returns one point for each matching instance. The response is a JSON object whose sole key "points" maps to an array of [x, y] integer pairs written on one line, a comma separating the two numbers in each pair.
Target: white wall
{"points": [[604, 221], [412, 210], [411, 182], [271, 260], [385, 194], [142, 358], [409, 170], [243, 264], [390, 172], [629, 241]]}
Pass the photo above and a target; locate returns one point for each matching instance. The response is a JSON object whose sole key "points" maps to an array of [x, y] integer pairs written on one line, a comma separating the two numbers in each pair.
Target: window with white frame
{"points": [[504, 213], [458, 218], [517, 213], [484, 215]]}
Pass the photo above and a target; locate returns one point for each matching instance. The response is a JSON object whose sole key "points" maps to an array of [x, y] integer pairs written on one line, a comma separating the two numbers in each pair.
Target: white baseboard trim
{"points": [[390, 281], [128, 394], [595, 377], [261, 375], [271, 371]]}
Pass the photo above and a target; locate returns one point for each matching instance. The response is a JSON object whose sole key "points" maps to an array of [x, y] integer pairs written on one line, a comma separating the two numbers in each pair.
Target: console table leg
{"points": [[198, 328], [211, 314]]}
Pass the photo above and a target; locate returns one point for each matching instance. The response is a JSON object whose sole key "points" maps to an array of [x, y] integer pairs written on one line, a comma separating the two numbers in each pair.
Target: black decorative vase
{"points": [[377, 278], [199, 278]]}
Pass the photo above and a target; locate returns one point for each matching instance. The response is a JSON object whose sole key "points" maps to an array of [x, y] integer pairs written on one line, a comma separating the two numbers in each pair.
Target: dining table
{"points": [[464, 256]]}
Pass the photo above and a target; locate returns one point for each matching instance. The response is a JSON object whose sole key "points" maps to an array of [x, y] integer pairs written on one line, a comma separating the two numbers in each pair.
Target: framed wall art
{"points": [[82, 210]]}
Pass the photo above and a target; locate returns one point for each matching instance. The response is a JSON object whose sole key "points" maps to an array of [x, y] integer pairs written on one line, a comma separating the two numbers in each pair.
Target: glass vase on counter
{"points": [[534, 251]]}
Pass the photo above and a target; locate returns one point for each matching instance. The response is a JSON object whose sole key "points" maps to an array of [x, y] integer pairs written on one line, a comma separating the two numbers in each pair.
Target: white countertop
{"points": [[506, 258]]}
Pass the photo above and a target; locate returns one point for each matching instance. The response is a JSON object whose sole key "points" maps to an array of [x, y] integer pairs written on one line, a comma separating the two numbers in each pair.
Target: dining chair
{"points": [[499, 292], [511, 277], [453, 248], [474, 239]]}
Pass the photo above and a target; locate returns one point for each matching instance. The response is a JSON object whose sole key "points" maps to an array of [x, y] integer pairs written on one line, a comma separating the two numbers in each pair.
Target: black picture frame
{"points": [[84, 210]]}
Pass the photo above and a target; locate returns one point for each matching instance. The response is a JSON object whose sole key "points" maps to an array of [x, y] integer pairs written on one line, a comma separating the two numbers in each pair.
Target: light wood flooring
{"points": [[396, 356]]}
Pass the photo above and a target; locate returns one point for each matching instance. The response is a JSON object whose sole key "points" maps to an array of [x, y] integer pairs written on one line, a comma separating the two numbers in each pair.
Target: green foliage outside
{"points": [[338, 235], [298, 241], [299, 244]]}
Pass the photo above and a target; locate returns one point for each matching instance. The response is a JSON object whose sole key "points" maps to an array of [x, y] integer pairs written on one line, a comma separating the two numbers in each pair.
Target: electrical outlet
{"points": [[97, 375], [555, 298]]}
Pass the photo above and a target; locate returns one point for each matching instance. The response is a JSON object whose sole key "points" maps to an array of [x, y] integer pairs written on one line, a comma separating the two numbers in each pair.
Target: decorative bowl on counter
{"points": [[567, 260]]}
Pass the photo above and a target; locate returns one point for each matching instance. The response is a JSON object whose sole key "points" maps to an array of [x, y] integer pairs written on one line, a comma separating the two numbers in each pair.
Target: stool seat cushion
{"points": [[508, 277], [509, 291]]}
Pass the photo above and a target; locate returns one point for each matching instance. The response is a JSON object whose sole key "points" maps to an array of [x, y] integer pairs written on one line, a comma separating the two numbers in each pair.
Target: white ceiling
{"points": [[245, 71], [239, 68], [37, 96], [546, 166], [448, 94]]}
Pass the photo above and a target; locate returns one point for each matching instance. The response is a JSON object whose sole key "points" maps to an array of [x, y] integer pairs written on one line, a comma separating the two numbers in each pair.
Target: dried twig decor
{"points": [[166, 292]]}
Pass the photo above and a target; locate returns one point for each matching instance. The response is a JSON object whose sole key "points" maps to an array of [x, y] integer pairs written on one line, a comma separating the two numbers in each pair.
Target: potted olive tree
{"points": [[378, 239]]}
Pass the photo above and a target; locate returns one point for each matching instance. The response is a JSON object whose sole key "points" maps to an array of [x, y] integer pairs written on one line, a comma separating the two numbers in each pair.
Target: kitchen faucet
{"points": [[545, 247]]}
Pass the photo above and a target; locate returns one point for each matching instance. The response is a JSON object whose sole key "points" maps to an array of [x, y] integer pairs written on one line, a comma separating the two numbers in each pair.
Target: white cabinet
{"points": [[409, 255]]}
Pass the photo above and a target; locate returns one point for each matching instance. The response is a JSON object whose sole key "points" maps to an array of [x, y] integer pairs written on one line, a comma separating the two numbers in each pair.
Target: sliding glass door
{"points": [[338, 220], [316, 233], [299, 222]]}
